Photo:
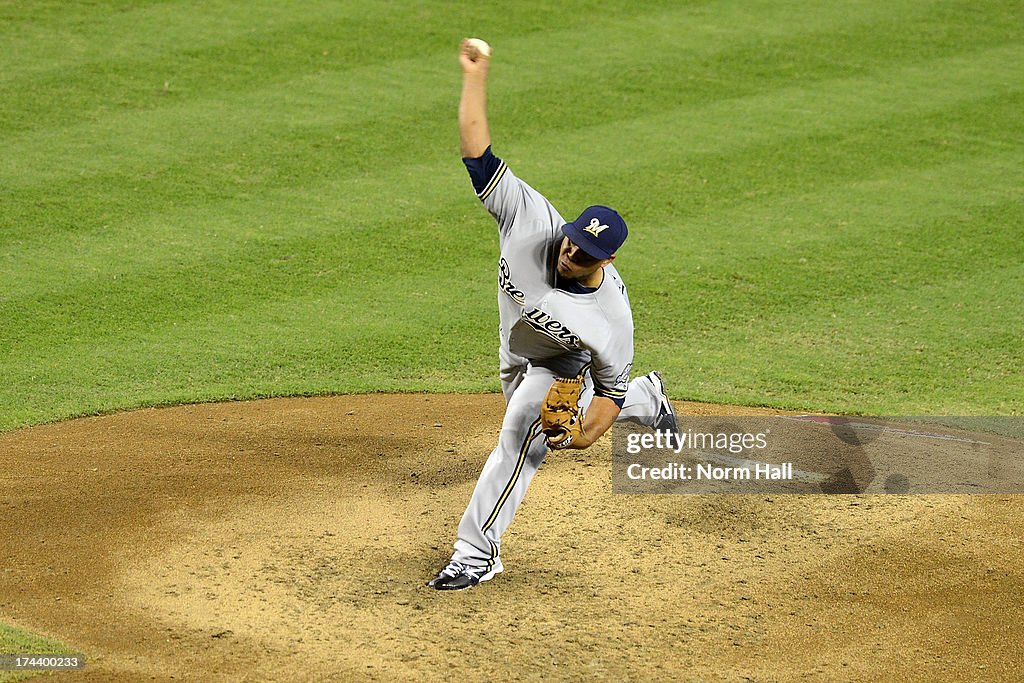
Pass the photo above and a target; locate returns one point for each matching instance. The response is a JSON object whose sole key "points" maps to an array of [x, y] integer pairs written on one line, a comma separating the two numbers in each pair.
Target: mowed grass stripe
{"points": [[704, 130], [862, 238], [113, 59], [751, 51], [179, 288], [822, 108], [379, 336], [378, 93], [921, 290], [345, 337], [836, 217], [799, 165], [879, 367], [157, 255], [659, 184], [282, 89], [717, 126], [867, 234]]}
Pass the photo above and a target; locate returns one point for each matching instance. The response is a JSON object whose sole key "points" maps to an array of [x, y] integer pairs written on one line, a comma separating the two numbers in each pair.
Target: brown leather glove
{"points": [[561, 417]]}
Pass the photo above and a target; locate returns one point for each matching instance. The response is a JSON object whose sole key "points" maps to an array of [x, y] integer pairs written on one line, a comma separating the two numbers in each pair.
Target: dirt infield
{"points": [[289, 540]]}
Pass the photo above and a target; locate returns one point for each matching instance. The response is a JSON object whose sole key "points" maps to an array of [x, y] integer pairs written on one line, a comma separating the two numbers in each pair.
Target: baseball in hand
{"points": [[483, 50]]}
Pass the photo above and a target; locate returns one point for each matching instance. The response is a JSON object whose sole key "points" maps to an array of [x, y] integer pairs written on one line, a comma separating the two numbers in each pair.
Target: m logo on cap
{"points": [[598, 231], [595, 228]]}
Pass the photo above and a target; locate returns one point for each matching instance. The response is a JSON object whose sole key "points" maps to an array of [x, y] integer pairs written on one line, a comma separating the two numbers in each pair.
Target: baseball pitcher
{"points": [[566, 336]]}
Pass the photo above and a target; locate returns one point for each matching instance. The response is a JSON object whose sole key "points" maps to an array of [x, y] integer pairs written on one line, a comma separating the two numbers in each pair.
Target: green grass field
{"points": [[233, 200]]}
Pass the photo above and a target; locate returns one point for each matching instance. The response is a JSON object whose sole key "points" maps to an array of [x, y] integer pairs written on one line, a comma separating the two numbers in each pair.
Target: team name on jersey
{"points": [[544, 323], [505, 283]]}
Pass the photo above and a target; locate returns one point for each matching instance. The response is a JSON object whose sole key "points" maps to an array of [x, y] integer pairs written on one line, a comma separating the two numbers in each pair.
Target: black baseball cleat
{"points": [[457, 576], [666, 420]]}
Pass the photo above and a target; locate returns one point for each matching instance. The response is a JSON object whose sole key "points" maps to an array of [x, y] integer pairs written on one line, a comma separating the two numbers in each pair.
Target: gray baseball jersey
{"points": [[554, 327]]}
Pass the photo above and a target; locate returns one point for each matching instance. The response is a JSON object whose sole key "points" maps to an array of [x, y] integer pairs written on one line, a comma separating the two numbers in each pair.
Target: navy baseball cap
{"points": [[599, 231]]}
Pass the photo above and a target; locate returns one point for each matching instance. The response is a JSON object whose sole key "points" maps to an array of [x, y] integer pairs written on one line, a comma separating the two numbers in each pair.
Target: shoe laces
{"points": [[453, 569]]}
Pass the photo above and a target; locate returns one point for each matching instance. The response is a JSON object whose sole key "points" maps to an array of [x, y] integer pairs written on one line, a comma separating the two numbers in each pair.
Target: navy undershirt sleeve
{"points": [[616, 400], [482, 169]]}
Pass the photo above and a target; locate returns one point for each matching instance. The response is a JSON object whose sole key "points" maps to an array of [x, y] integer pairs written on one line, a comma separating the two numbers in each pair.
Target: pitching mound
{"points": [[290, 540]]}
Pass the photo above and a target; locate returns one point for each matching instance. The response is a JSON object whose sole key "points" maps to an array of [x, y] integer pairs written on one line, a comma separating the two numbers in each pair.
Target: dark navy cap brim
{"points": [[583, 241]]}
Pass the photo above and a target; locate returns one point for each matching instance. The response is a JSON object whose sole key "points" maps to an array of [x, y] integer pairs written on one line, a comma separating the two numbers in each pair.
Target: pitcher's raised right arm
{"points": [[510, 200], [474, 134]]}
